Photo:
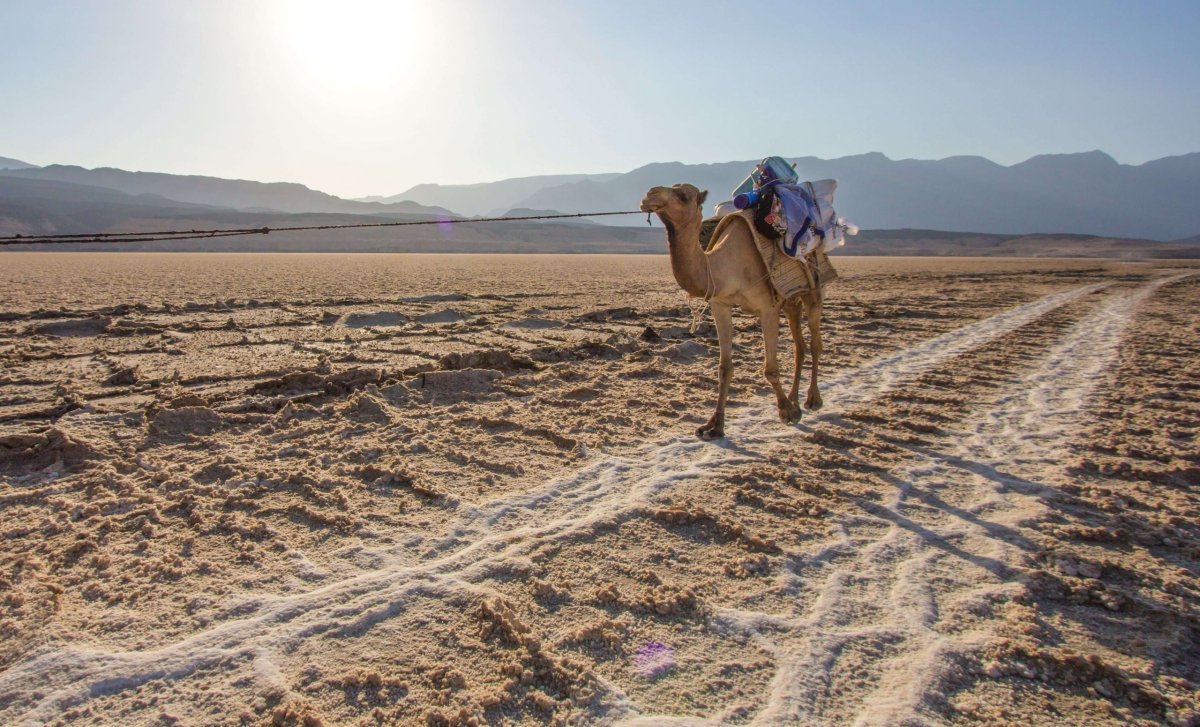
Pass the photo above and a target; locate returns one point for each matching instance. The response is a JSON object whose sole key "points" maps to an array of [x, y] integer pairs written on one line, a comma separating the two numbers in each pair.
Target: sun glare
{"points": [[356, 44]]}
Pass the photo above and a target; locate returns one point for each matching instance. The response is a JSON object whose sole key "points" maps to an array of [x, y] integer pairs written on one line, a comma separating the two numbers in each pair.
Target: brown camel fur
{"points": [[731, 273]]}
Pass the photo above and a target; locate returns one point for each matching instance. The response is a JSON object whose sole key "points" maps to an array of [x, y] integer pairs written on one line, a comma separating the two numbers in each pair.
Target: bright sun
{"points": [[356, 44]]}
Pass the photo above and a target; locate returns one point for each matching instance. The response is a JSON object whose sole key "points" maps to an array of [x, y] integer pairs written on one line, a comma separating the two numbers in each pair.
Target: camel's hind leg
{"points": [[813, 303], [791, 309], [788, 411], [723, 318]]}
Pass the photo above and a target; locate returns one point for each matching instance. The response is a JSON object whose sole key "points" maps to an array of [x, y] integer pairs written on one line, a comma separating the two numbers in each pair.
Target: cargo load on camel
{"points": [[793, 224]]}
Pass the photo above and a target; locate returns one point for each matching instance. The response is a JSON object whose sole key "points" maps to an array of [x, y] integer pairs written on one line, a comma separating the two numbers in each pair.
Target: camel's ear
{"points": [[703, 196]]}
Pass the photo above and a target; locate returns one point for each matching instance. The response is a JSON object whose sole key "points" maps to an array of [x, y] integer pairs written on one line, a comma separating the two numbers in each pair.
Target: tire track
{"points": [[608, 490], [914, 574]]}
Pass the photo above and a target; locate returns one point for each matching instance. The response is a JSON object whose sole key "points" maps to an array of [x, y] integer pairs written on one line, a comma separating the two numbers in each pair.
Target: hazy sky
{"points": [[371, 97]]}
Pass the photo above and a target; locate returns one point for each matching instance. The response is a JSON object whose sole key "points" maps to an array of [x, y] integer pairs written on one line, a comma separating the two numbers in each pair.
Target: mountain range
{"points": [[1088, 193], [237, 194], [35, 206], [487, 198], [6, 163], [905, 205]]}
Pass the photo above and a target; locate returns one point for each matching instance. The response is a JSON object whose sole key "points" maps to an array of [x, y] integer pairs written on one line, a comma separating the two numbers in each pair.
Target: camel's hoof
{"points": [[790, 414], [813, 403], [708, 432]]}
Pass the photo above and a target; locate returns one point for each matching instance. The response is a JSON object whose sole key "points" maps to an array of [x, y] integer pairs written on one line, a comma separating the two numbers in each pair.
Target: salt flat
{"points": [[325, 489]]}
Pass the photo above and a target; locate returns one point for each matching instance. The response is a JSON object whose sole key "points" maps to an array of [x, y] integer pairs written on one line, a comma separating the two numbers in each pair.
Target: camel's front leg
{"points": [[791, 309], [788, 411], [813, 306], [723, 318]]}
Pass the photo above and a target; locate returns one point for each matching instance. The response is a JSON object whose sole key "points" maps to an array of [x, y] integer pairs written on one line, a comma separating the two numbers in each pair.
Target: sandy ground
{"points": [[318, 489]]}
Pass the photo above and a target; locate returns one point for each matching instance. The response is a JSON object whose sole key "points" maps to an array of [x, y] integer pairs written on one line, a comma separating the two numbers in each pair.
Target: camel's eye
{"points": [[682, 195]]}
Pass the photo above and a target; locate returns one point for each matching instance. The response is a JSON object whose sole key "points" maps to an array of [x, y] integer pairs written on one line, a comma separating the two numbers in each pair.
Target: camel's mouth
{"points": [[651, 204]]}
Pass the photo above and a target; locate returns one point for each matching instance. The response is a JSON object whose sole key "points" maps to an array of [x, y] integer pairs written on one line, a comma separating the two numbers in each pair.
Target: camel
{"points": [[732, 273]]}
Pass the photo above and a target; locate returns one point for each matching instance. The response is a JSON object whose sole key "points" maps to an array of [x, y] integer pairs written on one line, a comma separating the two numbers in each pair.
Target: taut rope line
{"points": [[116, 237]]}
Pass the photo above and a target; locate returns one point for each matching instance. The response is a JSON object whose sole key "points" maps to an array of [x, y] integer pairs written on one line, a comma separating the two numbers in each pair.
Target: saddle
{"points": [[790, 276]]}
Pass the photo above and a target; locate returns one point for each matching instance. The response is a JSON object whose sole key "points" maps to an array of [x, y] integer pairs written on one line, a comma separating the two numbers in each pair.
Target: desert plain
{"points": [[439, 489]]}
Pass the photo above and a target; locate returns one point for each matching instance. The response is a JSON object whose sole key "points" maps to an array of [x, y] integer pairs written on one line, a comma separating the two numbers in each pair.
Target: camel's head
{"points": [[678, 203]]}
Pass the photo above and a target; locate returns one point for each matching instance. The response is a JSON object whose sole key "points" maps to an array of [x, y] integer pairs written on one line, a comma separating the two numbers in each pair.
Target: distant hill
{"points": [[526, 212], [231, 193], [911, 242], [487, 198], [1087, 193], [6, 163], [35, 206]]}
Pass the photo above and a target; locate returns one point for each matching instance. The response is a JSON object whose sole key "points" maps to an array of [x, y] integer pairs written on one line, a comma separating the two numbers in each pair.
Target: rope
{"points": [[710, 289], [698, 310], [116, 237]]}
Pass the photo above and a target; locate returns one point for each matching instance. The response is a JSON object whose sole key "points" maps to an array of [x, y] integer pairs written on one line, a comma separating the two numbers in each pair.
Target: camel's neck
{"points": [[688, 261]]}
